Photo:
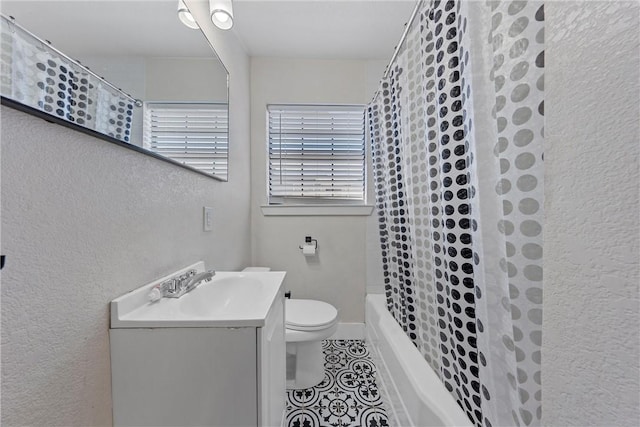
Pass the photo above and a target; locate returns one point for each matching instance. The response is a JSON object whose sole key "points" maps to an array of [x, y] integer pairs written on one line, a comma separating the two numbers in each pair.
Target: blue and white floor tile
{"points": [[347, 397]]}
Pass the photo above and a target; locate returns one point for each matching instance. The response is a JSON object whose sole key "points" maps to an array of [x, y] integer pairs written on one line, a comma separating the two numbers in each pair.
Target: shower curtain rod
{"points": [[400, 43], [402, 38], [11, 21]]}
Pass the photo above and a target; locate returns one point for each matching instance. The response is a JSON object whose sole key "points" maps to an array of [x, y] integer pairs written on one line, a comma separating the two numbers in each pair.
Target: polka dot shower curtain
{"points": [[39, 77], [457, 137]]}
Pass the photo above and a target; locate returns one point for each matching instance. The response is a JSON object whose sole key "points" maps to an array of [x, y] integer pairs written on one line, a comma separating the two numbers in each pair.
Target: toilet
{"points": [[307, 323]]}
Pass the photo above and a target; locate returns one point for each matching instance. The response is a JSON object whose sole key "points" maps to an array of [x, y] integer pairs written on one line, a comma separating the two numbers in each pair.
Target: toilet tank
{"points": [[256, 269]]}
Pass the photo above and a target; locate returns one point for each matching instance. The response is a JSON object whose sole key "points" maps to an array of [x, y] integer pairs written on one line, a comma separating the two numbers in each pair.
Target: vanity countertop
{"points": [[230, 299]]}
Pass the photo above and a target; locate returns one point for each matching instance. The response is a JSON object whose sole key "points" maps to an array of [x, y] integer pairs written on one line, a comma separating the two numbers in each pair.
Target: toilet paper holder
{"points": [[308, 240]]}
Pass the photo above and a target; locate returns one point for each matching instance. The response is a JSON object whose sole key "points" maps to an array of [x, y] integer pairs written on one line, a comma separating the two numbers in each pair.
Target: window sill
{"points": [[316, 210]]}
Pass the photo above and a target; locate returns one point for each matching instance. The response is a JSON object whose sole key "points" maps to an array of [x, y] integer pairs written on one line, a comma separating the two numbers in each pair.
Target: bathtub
{"points": [[413, 393]]}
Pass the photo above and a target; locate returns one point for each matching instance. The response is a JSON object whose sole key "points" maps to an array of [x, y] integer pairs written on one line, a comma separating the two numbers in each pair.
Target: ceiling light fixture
{"points": [[185, 16], [221, 12]]}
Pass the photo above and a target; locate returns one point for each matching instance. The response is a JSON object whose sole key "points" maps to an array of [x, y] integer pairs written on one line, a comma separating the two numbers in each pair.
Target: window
{"points": [[195, 134], [316, 154]]}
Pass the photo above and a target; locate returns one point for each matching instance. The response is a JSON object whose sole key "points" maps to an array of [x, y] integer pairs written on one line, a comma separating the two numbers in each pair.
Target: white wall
{"points": [[84, 221], [185, 79], [338, 274], [164, 78], [591, 330], [125, 72]]}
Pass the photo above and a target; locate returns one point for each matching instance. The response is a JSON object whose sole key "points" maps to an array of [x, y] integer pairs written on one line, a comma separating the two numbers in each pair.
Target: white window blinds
{"points": [[195, 134], [316, 152]]}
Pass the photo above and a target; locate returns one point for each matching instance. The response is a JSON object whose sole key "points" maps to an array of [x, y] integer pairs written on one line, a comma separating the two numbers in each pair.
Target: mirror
{"points": [[142, 48]]}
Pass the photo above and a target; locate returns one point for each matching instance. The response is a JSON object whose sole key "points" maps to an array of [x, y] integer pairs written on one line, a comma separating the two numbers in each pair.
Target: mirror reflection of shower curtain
{"points": [[36, 75], [457, 134]]}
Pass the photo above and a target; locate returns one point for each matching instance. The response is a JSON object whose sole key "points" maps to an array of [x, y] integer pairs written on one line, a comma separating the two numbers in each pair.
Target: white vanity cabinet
{"points": [[200, 376], [272, 357]]}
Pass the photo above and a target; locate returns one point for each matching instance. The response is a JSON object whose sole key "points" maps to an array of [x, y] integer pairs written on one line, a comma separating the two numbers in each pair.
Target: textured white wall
{"points": [[338, 274], [591, 330], [84, 221]]}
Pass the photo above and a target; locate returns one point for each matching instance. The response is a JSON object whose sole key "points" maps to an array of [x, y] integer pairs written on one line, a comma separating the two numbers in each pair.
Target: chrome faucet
{"points": [[180, 285], [193, 283]]}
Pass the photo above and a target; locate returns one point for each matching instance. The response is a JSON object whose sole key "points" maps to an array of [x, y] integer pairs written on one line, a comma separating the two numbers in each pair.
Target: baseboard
{"points": [[349, 331]]}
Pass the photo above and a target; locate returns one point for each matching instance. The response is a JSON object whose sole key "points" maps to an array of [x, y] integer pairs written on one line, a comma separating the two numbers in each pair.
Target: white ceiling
{"points": [[109, 27], [322, 29], [331, 29]]}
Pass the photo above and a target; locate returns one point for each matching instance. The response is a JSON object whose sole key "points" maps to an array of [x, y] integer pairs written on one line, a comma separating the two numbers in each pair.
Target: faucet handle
{"points": [[182, 280], [179, 285], [168, 286], [155, 294]]}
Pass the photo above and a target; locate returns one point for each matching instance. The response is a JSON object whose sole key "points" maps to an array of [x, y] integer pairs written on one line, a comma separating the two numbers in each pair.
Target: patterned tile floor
{"points": [[348, 395]]}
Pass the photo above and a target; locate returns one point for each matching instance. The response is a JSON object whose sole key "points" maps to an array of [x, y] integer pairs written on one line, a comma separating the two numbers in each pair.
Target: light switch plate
{"points": [[207, 223]]}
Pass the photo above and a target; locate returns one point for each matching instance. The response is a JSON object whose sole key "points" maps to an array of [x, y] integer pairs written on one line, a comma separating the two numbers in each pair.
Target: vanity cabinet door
{"points": [[272, 371], [184, 377]]}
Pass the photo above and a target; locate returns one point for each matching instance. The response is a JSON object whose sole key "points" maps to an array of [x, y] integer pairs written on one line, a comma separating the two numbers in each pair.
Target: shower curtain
{"points": [[35, 75], [457, 137]]}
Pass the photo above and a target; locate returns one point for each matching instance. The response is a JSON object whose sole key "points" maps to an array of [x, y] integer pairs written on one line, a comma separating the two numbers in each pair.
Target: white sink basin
{"points": [[228, 294], [230, 299]]}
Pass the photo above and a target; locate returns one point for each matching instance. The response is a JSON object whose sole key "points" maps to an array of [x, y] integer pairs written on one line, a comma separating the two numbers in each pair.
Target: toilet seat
{"points": [[309, 315]]}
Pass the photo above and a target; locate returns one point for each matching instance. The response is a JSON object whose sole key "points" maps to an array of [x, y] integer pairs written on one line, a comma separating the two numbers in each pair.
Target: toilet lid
{"points": [[307, 315]]}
